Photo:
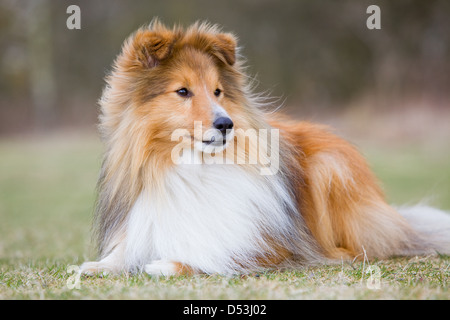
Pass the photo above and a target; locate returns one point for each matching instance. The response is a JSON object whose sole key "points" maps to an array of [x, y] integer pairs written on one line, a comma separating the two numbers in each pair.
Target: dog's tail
{"points": [[432, 225]]}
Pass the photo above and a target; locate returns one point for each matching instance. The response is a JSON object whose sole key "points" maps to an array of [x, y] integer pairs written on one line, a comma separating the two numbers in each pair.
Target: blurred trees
{"points": [[313, 53], [40, 60]]}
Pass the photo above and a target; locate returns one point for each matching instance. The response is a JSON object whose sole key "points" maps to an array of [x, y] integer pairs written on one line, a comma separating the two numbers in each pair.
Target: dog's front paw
{"points": [[161, 268], [93, 268]]}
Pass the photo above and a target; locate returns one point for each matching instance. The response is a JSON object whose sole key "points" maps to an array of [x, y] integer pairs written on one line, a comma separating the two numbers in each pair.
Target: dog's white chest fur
{"points": [[210, 217]]}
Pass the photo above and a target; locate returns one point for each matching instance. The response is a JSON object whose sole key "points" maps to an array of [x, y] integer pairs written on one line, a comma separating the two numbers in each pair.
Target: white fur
{"points": [[431, 222], [208, 216], [160, 268]]}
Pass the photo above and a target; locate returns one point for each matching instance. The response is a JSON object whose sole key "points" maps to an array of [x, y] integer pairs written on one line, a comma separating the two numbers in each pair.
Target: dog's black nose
{"points": [[223, 124]]}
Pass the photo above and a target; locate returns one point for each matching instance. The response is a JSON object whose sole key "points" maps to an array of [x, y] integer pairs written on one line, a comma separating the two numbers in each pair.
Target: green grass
{"points": [[411, 174], [47, 191], [415, 278]]}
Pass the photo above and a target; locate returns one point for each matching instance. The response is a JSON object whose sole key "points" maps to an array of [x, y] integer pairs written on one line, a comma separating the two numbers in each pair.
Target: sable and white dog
{"points": [[197, 178]]}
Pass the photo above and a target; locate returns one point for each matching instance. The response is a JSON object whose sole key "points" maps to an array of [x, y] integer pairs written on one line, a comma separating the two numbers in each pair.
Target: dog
{"points": [[198, 177]]}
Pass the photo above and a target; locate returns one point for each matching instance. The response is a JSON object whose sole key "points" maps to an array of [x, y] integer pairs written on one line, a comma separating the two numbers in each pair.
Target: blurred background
{"points": [[387, 91], [317, 56]]}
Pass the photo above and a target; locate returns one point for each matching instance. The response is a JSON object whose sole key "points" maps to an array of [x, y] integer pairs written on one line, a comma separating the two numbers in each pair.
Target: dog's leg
{"points": [[113, 263]]}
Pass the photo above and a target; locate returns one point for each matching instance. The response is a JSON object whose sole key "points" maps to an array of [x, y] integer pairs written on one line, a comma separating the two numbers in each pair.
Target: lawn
{"points": [[47, 191]]}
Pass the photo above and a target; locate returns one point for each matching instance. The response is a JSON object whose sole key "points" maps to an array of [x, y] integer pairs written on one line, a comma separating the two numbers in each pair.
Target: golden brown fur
{"points": [[340, 198]]}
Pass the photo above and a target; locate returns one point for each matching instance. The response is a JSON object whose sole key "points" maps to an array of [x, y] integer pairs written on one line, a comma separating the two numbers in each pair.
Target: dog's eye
{"points": [[183, 92], [217, 92]]}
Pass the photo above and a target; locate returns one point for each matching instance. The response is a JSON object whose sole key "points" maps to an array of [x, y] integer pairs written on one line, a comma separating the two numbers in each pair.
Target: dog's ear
{"points": [[153, 47], [225, 47]]}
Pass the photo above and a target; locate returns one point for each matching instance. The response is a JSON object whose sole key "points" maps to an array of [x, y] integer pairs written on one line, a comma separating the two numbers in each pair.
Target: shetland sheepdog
{"points": [[198, 177]]}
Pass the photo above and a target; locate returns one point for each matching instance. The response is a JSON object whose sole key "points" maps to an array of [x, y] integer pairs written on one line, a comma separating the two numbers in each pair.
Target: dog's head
{"points": [[171, 79]]}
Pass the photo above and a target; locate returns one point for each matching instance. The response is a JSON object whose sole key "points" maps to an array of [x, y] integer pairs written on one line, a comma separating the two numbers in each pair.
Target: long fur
{"points": [[321, 204]]}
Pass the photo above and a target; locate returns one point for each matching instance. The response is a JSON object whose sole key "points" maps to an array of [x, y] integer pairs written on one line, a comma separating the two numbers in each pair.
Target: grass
{"points": [[414, 278], [47, 191]]}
